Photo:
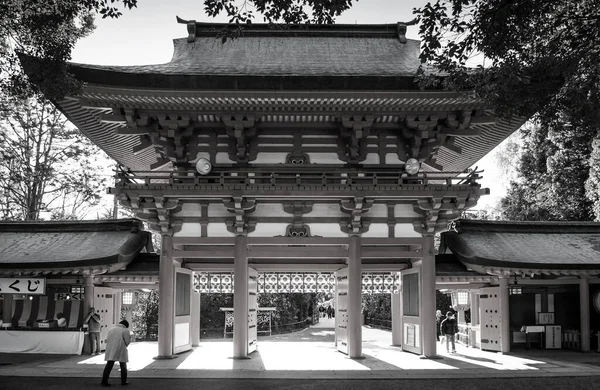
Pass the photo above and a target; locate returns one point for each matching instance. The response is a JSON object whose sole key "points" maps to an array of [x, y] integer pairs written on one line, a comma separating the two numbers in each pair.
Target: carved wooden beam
{"points": [[241, 130], [241, 207], [358, 206], [353, 137]]}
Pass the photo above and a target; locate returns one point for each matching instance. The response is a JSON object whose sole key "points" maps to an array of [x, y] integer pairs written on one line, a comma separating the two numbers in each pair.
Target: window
{"points": [[410, 294], [76, 289], [462, 298], [182, 294], [515, 291], [127, 298]]}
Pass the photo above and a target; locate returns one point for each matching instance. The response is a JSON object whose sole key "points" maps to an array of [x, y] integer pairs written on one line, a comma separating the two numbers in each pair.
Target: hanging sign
{"points": [[27, 286]]}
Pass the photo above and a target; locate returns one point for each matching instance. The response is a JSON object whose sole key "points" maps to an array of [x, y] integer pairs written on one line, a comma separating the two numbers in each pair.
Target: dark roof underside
{"points": [[25, 245], [542, 245]]}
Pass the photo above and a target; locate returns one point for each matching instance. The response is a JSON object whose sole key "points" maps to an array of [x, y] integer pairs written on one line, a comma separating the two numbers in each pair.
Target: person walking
{"points": [[116, 350], [449, 328], [439, 317], [93, 322]]}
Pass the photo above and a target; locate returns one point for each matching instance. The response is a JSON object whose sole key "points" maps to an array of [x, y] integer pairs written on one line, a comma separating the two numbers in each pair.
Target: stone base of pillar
{"points": [[165, 357], [434, 357]]}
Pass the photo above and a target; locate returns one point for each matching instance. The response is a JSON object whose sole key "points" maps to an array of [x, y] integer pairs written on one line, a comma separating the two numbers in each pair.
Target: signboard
{"points": [[553, 337], [545, 318], [28, 286]]}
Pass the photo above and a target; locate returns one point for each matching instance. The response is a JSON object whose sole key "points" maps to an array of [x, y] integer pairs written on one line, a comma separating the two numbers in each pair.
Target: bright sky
{"points": [[144, 36]]}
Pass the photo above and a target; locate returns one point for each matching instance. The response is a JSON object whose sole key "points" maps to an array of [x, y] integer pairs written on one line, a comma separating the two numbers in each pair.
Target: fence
{"points": [[378, 323]]}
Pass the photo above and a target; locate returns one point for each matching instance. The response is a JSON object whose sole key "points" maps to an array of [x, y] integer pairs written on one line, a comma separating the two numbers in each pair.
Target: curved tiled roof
{"points": [[301, 50], [284, 56], [546, 245], [70, 244]]}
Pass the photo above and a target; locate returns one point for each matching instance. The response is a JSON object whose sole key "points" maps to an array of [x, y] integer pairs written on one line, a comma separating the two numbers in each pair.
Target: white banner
{"points": [[28, 286]]}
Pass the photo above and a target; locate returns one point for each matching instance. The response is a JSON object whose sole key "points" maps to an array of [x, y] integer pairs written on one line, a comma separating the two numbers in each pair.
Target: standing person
{"points": [[449, 328], [439, 317], [93, 322], [116, 350], [329, 312]]}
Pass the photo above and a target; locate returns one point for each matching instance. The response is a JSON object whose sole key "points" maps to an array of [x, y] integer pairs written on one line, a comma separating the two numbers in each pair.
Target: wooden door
{"points": [[490, 319]]}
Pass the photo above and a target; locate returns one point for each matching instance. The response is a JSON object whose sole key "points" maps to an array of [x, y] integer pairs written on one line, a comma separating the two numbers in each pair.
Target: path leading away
{"points": [[311, 354]]}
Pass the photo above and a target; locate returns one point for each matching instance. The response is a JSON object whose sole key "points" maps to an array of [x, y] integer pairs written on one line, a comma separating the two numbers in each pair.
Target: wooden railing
{"points": [[313, 177]]}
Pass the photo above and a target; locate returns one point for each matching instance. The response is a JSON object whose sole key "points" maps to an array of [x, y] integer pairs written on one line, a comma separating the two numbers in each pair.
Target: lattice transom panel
{"points": [[283, 282]]}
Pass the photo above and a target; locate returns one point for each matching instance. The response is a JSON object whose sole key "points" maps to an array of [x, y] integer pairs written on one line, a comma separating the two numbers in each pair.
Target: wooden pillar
{"points": [[166, 298], [195, 313], [504, 315], [428, 335], [119, 305], [584, 312], [240, 299], [88, 293], [397, 315], [7, 308], [354, 298]]}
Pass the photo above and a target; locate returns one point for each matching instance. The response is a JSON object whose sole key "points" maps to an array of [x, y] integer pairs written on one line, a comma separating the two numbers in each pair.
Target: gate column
{"points": [[354, 298], [195, 318], [240, 299], [584, 312], [166, 310], [428, 302]]}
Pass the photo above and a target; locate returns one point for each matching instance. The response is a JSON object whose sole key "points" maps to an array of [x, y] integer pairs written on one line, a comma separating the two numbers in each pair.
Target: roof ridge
{"points": [[228, 30], [71, 226]]}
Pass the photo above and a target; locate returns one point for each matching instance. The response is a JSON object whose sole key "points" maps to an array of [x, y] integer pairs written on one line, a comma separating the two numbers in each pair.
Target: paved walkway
{"points": [[311, 353]]}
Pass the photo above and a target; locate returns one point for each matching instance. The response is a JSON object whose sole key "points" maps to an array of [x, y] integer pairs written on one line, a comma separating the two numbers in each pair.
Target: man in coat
{"points": [[449, 327], [116, 350]]}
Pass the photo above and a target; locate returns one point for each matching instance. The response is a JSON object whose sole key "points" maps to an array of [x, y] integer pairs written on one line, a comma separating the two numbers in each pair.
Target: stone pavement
{"points": [[311, 353]]}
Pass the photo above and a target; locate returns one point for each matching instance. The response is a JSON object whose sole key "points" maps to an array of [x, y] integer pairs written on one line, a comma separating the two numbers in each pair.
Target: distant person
{"points": [[329, 312], [439, 317], [61, 321], [93, 322], [449, 328], [322, 311], [116, 350]]}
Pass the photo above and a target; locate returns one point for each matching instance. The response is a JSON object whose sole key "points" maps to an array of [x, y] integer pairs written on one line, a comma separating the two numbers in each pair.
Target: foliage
{"points": [[278, 11], [211, 318], [540, 56], [145, 316], [290, 308], [46, 29], [46, 165], [377, 306], [592, 185], [552, 173]]}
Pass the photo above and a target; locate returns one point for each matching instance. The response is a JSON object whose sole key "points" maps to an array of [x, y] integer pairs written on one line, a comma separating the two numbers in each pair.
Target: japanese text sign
{"points": [[29, 286]]}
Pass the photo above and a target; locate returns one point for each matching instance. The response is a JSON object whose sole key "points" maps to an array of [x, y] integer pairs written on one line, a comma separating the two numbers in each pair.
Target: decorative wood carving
{"points": [[437, 212], [241, 207], [156, 211], [298, 208], [353, 137], [356, 225], [297, 231], [242, 133], [297, 159]]}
